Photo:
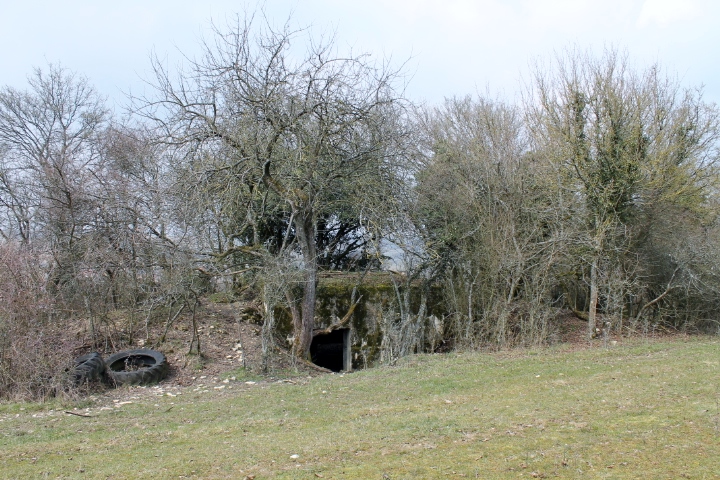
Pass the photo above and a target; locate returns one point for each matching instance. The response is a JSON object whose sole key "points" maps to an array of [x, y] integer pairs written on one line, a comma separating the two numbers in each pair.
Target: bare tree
{"points": [[262, 130], [483, 209], [49, 138]]}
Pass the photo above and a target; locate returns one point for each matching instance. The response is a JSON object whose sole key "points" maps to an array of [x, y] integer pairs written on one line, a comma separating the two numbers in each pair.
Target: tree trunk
{"points": [[305, 322], [593, 299], [267, 329]]}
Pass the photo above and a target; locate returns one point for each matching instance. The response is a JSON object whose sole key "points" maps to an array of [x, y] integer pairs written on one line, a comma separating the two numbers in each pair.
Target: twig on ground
{"points": [[78, 414]]}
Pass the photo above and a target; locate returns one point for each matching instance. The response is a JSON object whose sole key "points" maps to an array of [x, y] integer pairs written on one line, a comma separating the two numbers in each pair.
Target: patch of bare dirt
{"points": [[228, 341], [225, 343], [573, 332], [571, 329]]}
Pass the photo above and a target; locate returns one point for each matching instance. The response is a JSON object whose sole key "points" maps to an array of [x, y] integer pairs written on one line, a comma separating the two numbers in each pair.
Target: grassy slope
{"points": [[650, 410]]}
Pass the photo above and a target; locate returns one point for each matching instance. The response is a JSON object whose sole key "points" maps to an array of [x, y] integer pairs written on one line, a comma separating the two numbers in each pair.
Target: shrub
{"points": [[34, 345]]}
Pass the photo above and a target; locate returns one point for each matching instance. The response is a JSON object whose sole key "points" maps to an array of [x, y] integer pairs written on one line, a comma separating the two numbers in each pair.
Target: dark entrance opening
{"points": [[332, 350]]}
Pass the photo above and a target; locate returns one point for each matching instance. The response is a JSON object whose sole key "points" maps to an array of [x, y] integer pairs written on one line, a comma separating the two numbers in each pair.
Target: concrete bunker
{"points": [[332, 350]]}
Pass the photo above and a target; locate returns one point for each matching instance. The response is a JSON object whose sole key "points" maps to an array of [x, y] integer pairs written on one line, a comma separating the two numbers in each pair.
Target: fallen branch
{"points": [[314, 367], [659, 297], [581, 315], [342, 321], [78, 414]]}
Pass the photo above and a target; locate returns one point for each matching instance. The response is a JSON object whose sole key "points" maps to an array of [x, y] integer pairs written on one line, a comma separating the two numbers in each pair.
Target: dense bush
{"points": [[35, 348]]}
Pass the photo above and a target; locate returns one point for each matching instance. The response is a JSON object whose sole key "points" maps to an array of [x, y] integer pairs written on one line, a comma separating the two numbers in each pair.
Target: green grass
{"points": [[648, 410]]}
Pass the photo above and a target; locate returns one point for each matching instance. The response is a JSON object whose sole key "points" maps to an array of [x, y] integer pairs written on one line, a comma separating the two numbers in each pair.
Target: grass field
{"points": [[639, 410]]}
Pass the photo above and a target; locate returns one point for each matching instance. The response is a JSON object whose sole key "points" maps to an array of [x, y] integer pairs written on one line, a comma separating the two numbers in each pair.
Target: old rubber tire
{"points": [[88, 368], [136, 367]]}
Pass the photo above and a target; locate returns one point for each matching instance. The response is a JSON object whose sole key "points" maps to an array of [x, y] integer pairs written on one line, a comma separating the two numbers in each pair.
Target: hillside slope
{"points": [[639, 410]]}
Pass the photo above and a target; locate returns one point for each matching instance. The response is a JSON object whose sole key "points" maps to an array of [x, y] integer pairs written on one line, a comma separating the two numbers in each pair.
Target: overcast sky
{"points": [[452, 47]]}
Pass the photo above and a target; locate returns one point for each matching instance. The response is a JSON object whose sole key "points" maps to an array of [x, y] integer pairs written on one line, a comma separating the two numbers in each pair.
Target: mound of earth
{"points": [[231, 347], [227, 342]]}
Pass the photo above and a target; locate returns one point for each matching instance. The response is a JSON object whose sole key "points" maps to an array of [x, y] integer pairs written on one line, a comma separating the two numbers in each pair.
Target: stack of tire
{"points": [[130, 367]]}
